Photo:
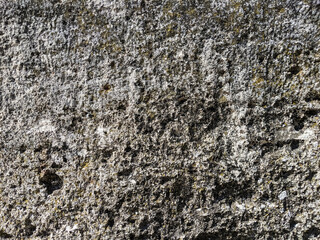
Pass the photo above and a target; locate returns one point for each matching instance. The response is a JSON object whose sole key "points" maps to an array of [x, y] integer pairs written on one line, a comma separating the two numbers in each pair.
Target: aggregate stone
{"points": [[159, 119]]}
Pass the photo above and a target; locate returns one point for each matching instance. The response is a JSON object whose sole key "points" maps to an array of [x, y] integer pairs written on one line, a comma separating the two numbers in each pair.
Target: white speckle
{"points": [[315, 144], [69, 229], [196, 154], [180, 55], [241, 207], [236, 173], [307, 134], [262, 206], [132, 94], [83, 152], [45, 125], [271, 205], [259, 181], [282, 195], [133, 181], [100, 131]]}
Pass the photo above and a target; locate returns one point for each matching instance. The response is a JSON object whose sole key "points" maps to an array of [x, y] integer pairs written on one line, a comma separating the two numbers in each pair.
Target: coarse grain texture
{"points": [[160, 119]]}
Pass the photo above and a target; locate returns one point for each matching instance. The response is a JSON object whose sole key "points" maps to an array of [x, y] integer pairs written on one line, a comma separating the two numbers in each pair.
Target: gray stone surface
{"points": [[160, 119]]}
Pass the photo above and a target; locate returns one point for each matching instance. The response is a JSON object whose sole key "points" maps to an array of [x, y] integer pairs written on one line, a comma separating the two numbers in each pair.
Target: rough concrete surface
{"points": [[160, 119]]}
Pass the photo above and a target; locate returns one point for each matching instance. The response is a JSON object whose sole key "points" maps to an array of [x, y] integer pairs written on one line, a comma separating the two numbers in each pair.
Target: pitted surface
{"points": [[159, 119]]}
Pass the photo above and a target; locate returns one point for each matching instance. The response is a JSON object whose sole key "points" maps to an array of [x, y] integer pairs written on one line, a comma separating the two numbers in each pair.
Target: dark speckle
{"points": [[106, 87]]}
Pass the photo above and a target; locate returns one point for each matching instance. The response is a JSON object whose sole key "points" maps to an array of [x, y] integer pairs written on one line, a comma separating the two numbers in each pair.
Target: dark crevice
{"points": [[51, 181], [56, 165], [29, 227], [280, 103], [43, 233], [298, 123], [294, 70], [206, 236], [5, 235], [283, 174], [312, 96], [22, 148], [110, 222], [311, 175], [294, 144], [298, 119], [311, 112], [165, 179], [311, 232], [232, 190], [125, 172], [292, 223], [225, 233], [144, 225]]}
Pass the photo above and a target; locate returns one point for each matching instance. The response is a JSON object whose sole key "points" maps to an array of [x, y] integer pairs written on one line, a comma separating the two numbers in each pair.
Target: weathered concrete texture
{"points": [[160, 119]]}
